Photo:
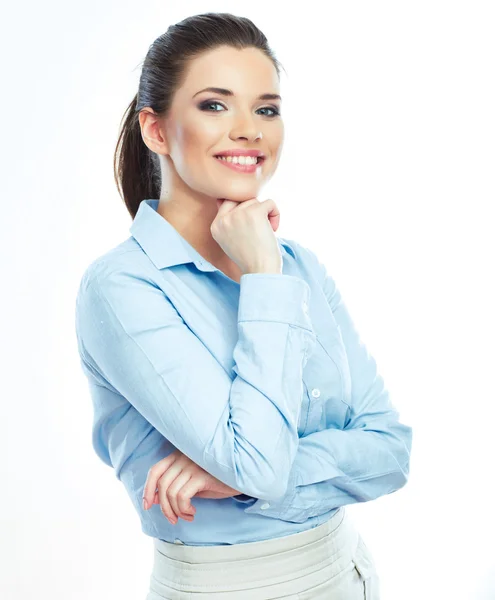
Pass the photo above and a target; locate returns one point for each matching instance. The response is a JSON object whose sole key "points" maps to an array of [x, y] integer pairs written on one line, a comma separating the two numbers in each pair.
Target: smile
{"points": [[246, 168]]}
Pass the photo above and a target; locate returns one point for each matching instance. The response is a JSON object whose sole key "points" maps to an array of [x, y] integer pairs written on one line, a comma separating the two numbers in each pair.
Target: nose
{"points": [[245, 128]]}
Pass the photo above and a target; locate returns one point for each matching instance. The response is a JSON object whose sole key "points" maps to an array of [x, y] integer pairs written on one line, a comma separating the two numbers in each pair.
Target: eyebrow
{"points": [[225, 92]]}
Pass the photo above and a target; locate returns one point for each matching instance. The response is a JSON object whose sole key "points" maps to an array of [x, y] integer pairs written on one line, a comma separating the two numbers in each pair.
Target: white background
{"points": [[387, 174]]}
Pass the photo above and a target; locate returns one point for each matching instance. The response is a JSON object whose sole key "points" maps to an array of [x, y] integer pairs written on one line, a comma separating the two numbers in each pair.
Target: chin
{"points": [[239, 196]]}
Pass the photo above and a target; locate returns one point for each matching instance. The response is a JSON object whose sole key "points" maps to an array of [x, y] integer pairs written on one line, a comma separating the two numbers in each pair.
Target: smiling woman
{"points": [[245, 411], [183, 128]]}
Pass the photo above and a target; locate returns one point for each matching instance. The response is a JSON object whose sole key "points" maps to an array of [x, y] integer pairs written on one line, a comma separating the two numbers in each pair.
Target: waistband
{"points": [[264, 548]]}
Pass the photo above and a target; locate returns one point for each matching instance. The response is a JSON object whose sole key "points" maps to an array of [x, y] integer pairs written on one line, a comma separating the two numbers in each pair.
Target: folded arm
{"points": [[132, 340], [367, 459]]}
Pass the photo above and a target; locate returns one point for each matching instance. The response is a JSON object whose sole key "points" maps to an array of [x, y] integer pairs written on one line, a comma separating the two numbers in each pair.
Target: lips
{"points": [[259, 159], [246, 168]]}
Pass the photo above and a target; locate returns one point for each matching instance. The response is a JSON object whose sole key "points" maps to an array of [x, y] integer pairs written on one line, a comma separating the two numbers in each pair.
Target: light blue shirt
{"points": [[265, 384]]}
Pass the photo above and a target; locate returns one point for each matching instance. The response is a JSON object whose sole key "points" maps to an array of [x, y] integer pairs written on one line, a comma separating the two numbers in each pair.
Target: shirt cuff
{"points": [[279, 509], [274, 297]]}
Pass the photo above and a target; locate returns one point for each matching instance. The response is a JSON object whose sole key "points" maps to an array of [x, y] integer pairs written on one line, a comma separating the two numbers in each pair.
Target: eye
{"points": [[275, 111], [204, 106]]}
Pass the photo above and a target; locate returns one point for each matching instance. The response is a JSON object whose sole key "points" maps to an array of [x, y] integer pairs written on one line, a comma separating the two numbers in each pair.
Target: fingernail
{"points": [[145, 504]]}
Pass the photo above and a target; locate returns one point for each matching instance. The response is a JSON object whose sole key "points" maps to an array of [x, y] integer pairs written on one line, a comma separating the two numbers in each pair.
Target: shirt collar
{"points": [[163, 243]]}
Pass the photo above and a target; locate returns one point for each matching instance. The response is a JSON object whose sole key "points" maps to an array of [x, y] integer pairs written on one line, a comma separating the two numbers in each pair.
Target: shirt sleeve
{"points": [[241, 427], [368, 458]]}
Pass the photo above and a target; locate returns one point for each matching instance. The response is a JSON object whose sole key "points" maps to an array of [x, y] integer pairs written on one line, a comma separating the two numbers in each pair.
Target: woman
{"points": [[230, 387]]}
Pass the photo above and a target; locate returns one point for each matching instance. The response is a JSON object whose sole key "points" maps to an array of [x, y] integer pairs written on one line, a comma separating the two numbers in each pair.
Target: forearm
{"points": [[339, 467]]}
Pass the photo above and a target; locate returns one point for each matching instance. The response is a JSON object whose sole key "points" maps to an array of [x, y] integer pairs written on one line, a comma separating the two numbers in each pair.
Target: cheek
{"points": [[281, 136], [275, 139], [276, 153], [200, 134], [196, 145]]}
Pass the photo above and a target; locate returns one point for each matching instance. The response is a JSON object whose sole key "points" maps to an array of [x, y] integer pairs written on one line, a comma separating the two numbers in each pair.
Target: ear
{"points": [[152, 131]]}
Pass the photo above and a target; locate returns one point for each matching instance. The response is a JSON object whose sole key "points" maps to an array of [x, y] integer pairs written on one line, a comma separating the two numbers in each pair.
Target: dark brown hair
{"points": [[136, 167]]}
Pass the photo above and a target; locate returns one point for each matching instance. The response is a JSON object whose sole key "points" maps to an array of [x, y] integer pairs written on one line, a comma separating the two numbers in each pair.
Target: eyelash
{"points": [[203, 106]]}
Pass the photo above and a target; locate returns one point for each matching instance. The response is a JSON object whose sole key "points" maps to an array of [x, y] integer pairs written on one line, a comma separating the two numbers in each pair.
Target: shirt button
{"points": [[265, 505], [315, 393]]}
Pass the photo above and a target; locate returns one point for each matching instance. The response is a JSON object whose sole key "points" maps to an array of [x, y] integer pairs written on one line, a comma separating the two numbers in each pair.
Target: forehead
{"points": [[246, 72]]}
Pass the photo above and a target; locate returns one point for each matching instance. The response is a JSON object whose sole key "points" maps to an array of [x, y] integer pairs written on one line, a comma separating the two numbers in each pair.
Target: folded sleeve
{"points": [[368, 458], [134, 340]]}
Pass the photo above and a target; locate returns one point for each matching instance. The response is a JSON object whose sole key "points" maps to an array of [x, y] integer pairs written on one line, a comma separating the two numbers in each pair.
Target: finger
{"points": [[274, 222], [167, 509], [226, 206], [273, 213], [173, 492], [271, 208], [166, 480], [154, 474], [150, 486], [190, 489]]}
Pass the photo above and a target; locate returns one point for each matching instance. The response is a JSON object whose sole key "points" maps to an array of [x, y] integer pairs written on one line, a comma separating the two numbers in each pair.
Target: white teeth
{"points": [[241, 160]]}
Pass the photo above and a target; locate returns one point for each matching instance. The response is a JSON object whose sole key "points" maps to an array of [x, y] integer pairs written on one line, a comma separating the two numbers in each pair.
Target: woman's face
{"points": [[202, 124]]}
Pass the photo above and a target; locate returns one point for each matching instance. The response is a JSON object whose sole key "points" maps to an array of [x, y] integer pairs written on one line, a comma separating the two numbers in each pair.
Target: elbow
{"points": [[403, 458], [253, 473], [269, 483], [405, 466], [271, 493], [405, 453], [399, 442], [274, 491], [400, 436], [395, 481], [267, 477]]}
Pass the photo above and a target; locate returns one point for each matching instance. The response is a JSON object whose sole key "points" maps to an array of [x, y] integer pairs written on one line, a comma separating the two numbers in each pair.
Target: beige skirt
{"points": [[330, 561]]}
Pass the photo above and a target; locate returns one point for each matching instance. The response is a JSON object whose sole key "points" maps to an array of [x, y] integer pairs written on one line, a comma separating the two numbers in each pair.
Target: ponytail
{"points": [[136, 168]]}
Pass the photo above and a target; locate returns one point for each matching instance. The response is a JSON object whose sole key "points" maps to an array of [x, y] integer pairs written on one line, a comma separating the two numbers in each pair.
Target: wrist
{"points": [[271, 270]]}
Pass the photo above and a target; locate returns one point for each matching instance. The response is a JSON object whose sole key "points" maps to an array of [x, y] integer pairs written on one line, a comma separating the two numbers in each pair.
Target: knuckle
{"points": [[217, 226], [156, 468]]}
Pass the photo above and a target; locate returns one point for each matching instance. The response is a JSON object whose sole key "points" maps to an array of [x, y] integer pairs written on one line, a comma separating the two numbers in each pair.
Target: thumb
{"points": [[225, 206]]}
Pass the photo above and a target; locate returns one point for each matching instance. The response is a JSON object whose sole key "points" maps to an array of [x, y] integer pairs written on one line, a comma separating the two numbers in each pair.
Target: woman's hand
{"points": [[173, 481], [245, 232]]}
